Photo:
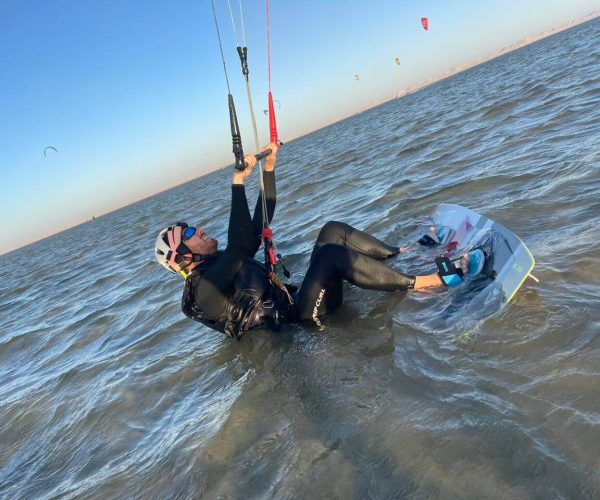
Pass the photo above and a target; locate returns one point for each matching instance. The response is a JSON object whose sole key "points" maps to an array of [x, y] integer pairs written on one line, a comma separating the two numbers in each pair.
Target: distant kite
{"points": [[266, 111], [50, 147], [425, 23], [356, 77], [398, 61]]}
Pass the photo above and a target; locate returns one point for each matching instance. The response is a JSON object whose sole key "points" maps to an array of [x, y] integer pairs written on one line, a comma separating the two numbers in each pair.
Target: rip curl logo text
{"points": [[315, 314]]}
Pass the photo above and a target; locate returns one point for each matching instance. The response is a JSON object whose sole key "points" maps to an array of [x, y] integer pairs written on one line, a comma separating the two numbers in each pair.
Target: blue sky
{"points": [[133, 96]]}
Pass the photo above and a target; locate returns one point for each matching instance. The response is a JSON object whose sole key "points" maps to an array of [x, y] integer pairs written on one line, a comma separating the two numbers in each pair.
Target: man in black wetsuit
{"points": [[229, 290]]}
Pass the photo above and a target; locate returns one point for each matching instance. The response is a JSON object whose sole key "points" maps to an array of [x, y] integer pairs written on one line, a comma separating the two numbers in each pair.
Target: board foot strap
{"points": [[450, 275]]}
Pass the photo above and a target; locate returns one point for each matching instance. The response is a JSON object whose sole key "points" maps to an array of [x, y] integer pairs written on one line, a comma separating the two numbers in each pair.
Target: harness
{"points": [[250, 304], [243, 311]]}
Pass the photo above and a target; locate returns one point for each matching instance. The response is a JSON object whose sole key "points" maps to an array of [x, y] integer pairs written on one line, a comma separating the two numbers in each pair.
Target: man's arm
{"points": [[269, 185], [211, 292]]}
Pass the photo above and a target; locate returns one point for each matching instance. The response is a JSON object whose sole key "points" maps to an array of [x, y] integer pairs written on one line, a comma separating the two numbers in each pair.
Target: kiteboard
{"points": [[508, 260]]}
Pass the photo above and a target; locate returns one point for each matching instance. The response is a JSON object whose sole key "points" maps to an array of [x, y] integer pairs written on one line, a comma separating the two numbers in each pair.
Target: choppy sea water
{"points": [[109, 391]]}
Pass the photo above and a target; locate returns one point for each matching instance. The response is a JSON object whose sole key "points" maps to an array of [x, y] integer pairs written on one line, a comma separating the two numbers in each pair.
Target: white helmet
{"points": [[171, 252]]}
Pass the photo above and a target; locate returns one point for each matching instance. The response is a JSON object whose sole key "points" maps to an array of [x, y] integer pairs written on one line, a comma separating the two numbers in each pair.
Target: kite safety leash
{"points": [[274, 138]]}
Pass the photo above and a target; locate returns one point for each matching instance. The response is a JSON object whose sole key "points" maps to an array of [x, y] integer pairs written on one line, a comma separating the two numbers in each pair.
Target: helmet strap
{"points": [[198, 257], [186, 260]]}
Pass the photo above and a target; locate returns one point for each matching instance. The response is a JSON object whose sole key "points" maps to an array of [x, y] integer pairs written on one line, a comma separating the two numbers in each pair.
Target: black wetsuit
{"points": [[230, 291]]}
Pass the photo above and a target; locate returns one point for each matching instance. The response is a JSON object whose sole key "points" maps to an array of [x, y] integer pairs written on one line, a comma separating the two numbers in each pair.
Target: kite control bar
{"points": [[262, 154], [258, 156]]}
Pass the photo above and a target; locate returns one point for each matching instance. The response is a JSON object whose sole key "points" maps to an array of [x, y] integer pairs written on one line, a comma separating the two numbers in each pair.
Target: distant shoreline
{"points": [[483, 59]]}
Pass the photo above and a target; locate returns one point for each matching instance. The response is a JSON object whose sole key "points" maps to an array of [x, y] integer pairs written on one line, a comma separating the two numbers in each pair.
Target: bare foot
{"points": [[429, 281]]}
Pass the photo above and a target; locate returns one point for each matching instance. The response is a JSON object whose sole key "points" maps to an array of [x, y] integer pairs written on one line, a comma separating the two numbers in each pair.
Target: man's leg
{"points": [[347, 236], [331, 264]]}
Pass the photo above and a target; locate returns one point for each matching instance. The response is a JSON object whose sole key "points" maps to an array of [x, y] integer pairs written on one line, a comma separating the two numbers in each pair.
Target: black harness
{"points": [[251, 303]]}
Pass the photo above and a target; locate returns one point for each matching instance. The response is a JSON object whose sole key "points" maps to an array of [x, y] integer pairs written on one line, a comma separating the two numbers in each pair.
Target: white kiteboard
{"points": [[509, 261]]}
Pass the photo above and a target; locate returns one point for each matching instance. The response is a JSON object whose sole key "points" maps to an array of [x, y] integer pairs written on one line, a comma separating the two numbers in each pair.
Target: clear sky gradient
{"points": [[132, 93]]}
